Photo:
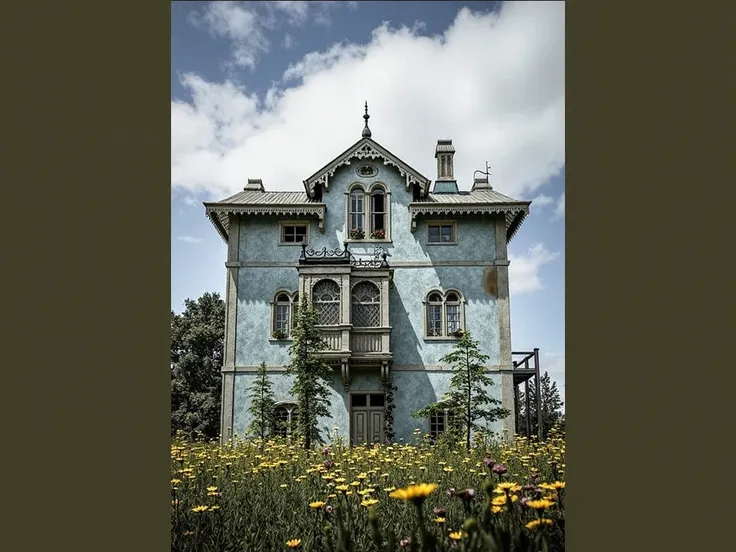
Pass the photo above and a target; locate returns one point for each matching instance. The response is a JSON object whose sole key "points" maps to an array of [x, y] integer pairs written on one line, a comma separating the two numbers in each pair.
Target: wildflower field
{"points": [[275, 495]]}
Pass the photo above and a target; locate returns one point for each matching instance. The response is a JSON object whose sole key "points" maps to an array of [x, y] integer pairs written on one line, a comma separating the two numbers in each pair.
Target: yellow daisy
{"points": [[294, 543], [316, 505], [536, 523], [415, 493]]}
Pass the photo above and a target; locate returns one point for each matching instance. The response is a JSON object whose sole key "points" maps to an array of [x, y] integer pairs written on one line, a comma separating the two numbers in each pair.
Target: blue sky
{"points": [[274, 90]]}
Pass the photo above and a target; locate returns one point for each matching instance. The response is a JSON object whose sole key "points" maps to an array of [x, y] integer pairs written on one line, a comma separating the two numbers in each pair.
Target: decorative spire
{"points": [[366, 130]]}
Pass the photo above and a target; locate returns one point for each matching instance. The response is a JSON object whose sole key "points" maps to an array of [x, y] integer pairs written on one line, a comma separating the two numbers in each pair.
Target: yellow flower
{"points": [[439, 520], [355, 484], [389, 489], [415, 493], [283, 485], [342, 488], [457, 535], [534, 524], [316, 505], [215, 507], [496, 509], [211, 489], [175, 481], [558, 485], [540, 504], [199, 509], [447, 469], [506, 485], [369, 502], [294, 543]]}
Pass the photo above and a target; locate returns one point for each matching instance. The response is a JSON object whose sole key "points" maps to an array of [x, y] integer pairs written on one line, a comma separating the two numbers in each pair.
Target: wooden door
{"points": [[366, 418]]}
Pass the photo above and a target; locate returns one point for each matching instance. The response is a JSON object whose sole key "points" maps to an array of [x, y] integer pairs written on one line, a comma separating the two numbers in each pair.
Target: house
{"points": [[395, 263]]}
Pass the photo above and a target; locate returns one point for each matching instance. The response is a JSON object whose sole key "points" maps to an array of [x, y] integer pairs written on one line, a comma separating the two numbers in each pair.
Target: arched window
{"points": [[282, 314], [368, 212], [357, 212], [366, 305], [444, 314], [326, 300], [285, 419], [378, 213]]}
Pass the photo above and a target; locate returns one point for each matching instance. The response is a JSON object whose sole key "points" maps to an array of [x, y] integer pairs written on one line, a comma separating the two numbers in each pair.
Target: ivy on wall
{"points": [[388, 417]]}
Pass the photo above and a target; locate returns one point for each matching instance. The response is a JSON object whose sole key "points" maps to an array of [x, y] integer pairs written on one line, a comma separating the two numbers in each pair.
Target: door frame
{"points": [[364, 408]]}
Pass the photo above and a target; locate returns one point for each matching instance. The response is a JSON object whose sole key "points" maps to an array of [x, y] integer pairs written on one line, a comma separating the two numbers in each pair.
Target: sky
{"points": [[275, 90]]}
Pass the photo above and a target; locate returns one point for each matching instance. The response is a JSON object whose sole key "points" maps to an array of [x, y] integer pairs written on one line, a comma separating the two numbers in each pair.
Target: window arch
{"points": [[366, 305], [286, 416], [368, 212], [444, 313], [326, 300], [283, 308]]}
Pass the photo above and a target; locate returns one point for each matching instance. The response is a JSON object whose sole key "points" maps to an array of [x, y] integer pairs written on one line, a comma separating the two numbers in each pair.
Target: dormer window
{"points": [[368, 213]]}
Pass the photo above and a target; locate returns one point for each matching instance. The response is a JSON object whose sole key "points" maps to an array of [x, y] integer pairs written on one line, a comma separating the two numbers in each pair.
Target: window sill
{"points": [[441, 338], [442, 243], [283, 339], [291, 244], [368, 240]]}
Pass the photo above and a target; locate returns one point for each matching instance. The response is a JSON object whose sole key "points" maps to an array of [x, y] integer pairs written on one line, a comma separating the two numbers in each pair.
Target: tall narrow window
{"points": [[366, 305], [294, 308], [452, 312], [326, 299], [434, 315], [357, 210], [281, 320], [378, 214]]}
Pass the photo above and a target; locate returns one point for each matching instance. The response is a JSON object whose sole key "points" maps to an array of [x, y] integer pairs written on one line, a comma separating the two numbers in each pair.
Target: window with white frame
{"points": [[294, 232], [368, 213], [441, 232], [283, 310], [285, 419], [444, 314], [366, 307], [326, 300]]}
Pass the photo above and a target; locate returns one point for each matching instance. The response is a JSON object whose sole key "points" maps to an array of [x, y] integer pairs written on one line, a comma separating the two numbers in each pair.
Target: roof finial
{"points": [[366, 130]]}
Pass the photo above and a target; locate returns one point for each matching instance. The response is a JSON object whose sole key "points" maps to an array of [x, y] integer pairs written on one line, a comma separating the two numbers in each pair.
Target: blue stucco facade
{"points": [[259, 266]]}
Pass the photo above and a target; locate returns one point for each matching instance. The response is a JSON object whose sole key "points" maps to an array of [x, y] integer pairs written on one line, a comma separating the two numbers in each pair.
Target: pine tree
{"points": [[550, 407], [311, 373], [468, 401], [262, 405]]}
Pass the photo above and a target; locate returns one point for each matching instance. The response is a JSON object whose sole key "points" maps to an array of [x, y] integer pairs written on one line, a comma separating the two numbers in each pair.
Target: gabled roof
{"points": [[366, 148], [483, 201], [254, 202]]}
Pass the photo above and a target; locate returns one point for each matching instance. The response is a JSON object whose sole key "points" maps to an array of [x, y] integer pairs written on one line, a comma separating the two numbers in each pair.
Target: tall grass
{"points": [[274, 495]]}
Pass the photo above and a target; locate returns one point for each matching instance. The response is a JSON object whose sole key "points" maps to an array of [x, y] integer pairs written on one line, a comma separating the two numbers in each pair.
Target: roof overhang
{"points": [[219, 213], [514, 213], [366, 148]]}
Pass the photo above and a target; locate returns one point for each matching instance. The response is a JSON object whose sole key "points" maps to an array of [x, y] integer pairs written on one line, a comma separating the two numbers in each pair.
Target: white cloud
{"points": [[189, 239], [560, 207], [524, 269], [540, 201], [494, 83]]}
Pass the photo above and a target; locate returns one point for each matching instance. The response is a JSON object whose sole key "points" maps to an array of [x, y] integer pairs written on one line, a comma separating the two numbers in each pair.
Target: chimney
{"points": [[480, 182], [445, 183], [254, 185], [444, 153]]}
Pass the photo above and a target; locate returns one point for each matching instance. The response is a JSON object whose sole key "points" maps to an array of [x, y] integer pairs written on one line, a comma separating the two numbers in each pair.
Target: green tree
{"points": [[311, 373], [550, 407], [262, 405], [467, 401], [197, 346]]}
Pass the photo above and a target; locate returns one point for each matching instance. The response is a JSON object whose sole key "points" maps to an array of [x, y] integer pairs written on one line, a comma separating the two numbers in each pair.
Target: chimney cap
{"points": [[480, 182], [444, 145], [255, 184]]}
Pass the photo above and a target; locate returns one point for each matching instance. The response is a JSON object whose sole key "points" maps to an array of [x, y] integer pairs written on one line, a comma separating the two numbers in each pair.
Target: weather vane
{"points": [[487, 171]]}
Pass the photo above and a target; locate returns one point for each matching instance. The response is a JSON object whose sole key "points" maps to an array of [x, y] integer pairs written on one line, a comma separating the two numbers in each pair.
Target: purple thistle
{"points": [[499, 469]]}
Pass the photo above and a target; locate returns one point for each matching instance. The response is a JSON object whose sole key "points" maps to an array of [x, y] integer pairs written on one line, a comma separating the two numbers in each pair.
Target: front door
{"points": [[366, 418]]}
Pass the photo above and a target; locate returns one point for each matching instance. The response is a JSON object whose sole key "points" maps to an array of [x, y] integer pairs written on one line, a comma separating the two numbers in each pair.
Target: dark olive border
{"points": [[86, 190]]}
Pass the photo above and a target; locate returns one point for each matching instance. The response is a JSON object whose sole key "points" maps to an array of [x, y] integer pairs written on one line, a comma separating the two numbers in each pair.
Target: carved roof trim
{"points": [[514, 213], [366, 148], [219, 213]]}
